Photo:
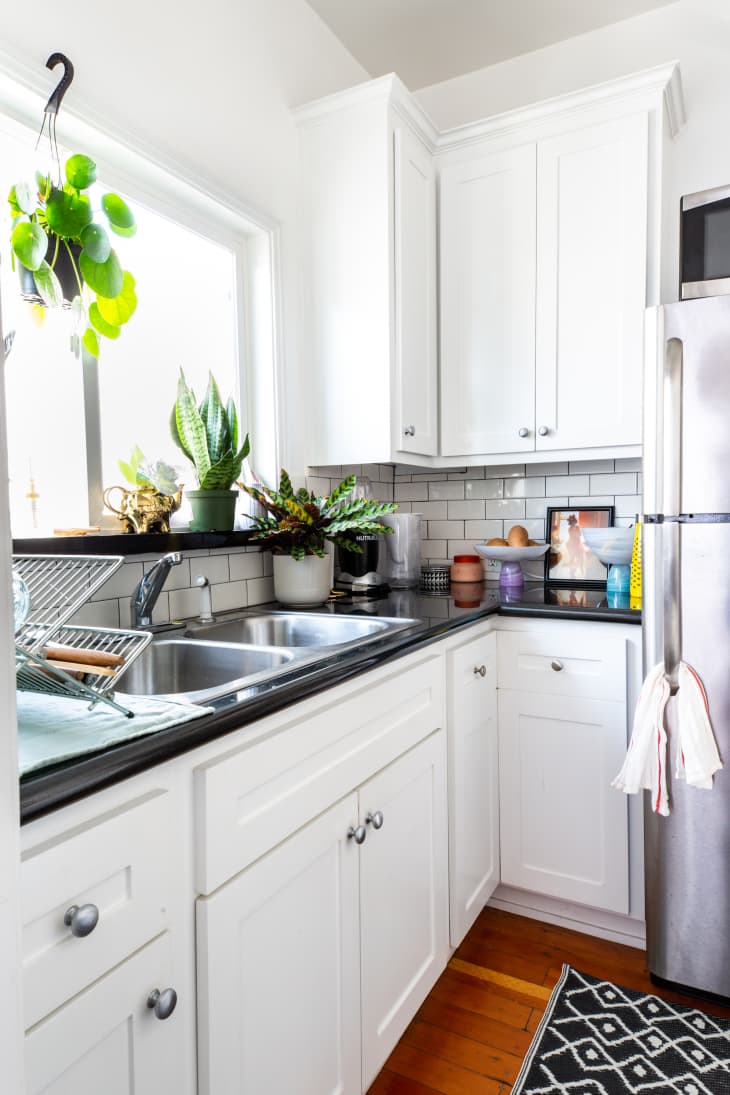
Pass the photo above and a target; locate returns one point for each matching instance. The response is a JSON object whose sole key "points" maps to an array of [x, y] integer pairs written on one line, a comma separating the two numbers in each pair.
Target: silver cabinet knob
{"points": [[162, 1003], [480, 670], [556, 665], [543, 431], [376, 819], [523, 431], [410, 431], [81, 919], [357, 834]]}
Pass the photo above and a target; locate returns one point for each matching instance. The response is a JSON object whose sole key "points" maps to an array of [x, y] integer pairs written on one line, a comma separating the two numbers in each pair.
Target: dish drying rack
{"points": [[58, 586]]}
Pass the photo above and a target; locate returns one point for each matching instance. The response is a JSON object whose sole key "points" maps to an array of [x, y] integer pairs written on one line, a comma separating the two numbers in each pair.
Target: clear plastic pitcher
{"points": [[400, 562]]}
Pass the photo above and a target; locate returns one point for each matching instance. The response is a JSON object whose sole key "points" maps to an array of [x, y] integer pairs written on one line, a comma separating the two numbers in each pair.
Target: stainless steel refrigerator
{"points": [[686, 615]]}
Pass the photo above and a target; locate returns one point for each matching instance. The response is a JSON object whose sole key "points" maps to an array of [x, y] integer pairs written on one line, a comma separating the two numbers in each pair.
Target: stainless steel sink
{"points": [[297, 629], [199, 671]]}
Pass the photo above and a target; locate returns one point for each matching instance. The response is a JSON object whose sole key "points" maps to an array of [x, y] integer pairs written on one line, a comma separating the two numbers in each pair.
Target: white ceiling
{"points": [[426, 41]]}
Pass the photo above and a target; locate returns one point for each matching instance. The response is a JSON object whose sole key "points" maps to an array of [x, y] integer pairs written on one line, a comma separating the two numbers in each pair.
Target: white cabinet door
{"points": [[488, 304], [473, 780], [107, 1040], [415, 422], [403, 894], [591, 284], [278, 969], [564, 829]]}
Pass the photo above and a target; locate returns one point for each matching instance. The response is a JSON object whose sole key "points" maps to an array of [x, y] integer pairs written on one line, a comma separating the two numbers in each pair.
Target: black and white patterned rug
{"points": [[597, 1038]]}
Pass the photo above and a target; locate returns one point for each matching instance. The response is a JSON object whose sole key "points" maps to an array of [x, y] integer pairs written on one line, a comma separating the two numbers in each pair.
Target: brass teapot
{"points": [[144, 509]]}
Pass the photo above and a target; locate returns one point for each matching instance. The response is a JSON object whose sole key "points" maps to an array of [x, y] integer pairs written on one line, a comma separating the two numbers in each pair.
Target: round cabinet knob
{"points": [[410, 431], [81, 919], [357, 834], [543, 431], [480, 670], [376, 819], [162, 1003], [556, 665], [523, 431]]}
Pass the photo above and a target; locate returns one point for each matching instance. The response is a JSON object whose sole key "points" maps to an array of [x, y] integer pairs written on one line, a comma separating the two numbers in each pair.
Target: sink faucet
{"points": [[148, 590]]}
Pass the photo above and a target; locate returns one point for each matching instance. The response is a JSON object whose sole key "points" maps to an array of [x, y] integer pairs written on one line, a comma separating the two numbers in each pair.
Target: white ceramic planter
{"points": [[303, 582]]}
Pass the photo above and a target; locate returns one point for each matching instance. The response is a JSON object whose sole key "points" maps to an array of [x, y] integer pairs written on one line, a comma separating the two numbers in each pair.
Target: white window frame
{"points": [[167, 188]]}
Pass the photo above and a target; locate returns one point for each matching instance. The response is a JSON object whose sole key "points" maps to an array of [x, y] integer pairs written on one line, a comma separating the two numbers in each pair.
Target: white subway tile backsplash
{"points": [[532, 487], [260, 590], [184, 603], [591, 500], [482, 530], [567, 484], [432, 511], [410, 492], [179, 576], [484, 488], [229, 596], [445, 491], [215, 569], [503, 471], [161, 609], [445, 530], [319, 485], [462, 547], [101, 614], [250, 565], [624, 483], [122, 583], [628, 463], [627, 506], [505, 509], [537, 507], [589, 467], [463, 511], [560, 467]]}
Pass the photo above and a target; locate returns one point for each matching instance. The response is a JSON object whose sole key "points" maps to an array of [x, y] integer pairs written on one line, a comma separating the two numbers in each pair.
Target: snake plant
{"points": [[207, 433], [299, 523]]}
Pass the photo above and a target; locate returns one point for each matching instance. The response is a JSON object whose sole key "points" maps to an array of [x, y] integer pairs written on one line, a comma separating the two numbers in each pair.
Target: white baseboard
{"points": [[565, 914]]}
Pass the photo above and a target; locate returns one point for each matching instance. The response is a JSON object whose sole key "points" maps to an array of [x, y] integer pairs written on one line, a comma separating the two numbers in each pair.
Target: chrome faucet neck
{"points": [[149, 588]]}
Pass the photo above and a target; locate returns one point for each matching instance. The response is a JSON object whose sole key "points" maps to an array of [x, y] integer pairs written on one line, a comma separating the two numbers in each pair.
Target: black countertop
{"points": [[437, 615]]}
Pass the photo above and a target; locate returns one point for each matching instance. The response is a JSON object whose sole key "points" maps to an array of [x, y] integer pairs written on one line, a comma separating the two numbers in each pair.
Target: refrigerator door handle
{"points": [[672, 505]]}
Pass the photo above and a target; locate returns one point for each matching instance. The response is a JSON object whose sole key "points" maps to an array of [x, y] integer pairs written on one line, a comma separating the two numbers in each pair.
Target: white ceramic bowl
{"points": [[610, 545], [511, 554]]}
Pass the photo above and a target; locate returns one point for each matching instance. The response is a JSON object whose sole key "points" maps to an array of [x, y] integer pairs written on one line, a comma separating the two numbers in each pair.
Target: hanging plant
{"points": [[55, 226]]}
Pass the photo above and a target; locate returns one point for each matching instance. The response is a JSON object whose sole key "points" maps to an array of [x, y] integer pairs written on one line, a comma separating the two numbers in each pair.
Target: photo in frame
{"points": [[570, 561]]}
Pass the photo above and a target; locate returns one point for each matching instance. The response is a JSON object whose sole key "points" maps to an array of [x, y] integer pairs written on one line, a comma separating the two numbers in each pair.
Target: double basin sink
{"points": [[203, 662]]}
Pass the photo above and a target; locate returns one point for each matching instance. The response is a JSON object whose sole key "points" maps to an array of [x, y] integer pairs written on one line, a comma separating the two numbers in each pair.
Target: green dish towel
{"points": [[52, 728]]}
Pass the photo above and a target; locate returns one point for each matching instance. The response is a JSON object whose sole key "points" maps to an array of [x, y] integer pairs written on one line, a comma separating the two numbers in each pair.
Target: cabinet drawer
{"points": [[562, 664], [247, 802], [121, 863]]}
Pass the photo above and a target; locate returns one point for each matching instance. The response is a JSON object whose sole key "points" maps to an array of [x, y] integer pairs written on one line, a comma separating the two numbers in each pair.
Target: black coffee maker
{"points": [[355, 570]]}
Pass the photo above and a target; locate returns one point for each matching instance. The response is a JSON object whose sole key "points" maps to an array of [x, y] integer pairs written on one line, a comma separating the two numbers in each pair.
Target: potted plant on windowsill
{"points": [[64, 253], [152, 498], [297, 526], [207, 433]]}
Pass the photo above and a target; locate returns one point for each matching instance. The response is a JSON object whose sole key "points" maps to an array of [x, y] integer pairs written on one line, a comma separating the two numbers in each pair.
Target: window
{"points": [[205, 290]]}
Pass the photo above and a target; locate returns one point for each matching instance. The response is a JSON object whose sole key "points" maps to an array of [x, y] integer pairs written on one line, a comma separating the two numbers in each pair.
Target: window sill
{"points": [[149, 543]]}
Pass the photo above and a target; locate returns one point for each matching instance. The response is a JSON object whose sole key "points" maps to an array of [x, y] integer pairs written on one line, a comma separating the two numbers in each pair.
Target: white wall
{"points": [[694, 32], [209, 87]]}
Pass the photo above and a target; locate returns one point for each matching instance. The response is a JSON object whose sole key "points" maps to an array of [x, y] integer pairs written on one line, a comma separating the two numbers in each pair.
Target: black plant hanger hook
{"points": [[55, 99]]}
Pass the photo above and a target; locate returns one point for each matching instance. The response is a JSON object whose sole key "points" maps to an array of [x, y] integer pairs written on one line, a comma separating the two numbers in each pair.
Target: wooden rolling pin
{"points": [[90, 659], [81, 668]]}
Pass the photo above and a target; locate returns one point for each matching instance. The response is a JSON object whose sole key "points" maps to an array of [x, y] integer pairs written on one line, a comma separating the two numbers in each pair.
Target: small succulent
{"points": [[207, 433], [50, 219], [299, 523], [141, 473]]}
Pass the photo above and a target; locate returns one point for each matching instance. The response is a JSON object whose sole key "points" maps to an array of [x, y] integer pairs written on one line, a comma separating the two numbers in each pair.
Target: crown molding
{"points": [[662, 83]]}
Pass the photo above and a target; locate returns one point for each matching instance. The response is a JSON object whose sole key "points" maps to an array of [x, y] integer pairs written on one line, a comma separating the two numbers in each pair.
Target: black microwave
{"points": [[705, 244]]}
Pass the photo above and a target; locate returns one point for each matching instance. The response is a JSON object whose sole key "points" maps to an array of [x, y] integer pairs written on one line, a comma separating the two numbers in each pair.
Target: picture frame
{"points": [[570, 562]]}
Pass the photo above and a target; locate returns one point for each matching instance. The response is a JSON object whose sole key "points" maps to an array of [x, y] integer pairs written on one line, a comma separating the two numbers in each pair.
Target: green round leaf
{"points": [[97, 320], [67, 214], [22, 197], [123, 306], [48, 285], [90, 342], [105, 278], [95, 242], [80, 171], [127, 233], [30, 244], [117, 211]]}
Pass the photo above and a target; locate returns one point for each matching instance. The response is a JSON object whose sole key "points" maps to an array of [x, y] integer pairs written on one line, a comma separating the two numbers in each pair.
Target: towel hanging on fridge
{"points": [[645, 765]]}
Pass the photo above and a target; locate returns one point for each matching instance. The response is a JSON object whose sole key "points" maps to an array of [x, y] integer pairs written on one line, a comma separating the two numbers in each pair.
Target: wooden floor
{"points": [[474, 1028]]}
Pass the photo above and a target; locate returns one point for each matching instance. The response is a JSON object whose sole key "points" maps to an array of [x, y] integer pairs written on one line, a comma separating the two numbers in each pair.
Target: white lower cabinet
{"points": [[313, 960], [564, 829], [473, 780], [107, 1039]]}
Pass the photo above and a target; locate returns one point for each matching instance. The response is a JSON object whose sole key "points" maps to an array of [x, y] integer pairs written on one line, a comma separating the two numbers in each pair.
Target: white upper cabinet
{"points": [[369, 276], [591, 284], [488, 207]]}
